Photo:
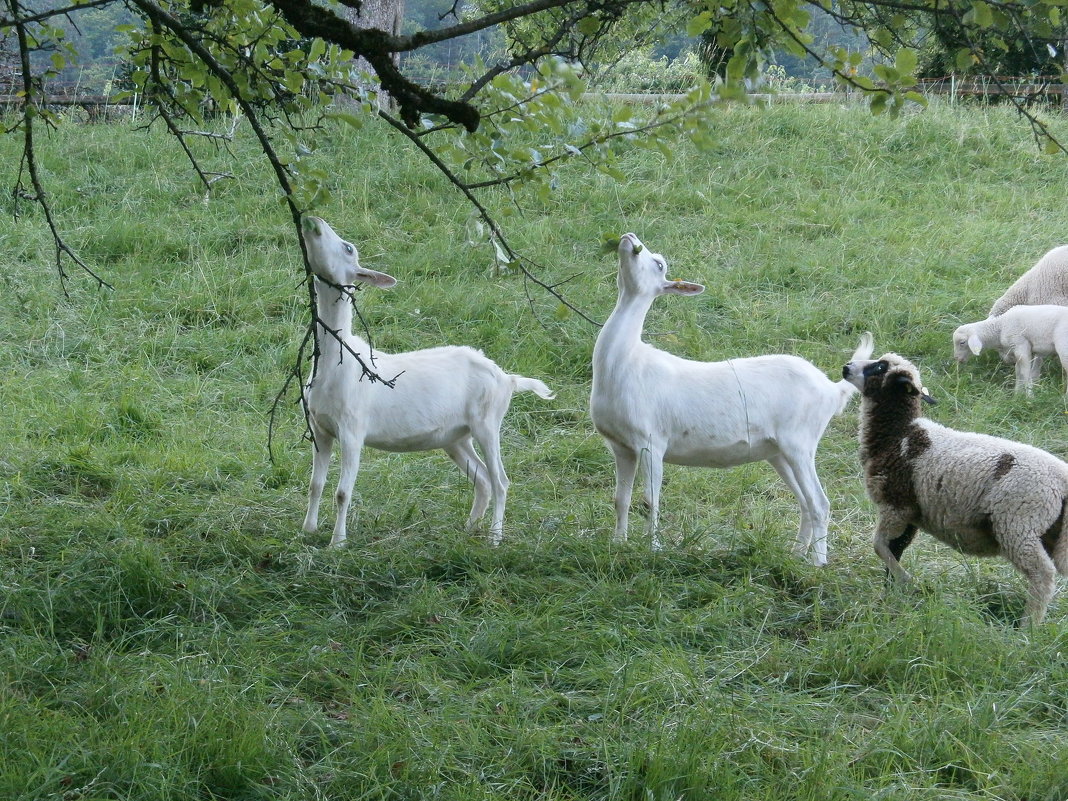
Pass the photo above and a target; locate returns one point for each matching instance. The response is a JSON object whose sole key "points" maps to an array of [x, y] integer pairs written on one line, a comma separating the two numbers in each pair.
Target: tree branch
{"points": [[484, 214]]}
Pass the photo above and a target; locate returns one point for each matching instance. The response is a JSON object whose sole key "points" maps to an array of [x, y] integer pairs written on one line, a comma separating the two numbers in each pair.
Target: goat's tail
{"points": [[864, 350], [524, 384]]}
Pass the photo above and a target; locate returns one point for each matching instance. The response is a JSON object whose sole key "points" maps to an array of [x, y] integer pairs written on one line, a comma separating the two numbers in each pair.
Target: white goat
{"points": [[1022, 335], [656, 407], [443, 397]]}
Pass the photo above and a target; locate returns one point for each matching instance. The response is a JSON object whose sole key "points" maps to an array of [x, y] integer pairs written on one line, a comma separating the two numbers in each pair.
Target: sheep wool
{"points": [[1046, 282], [1023, 335], [979, 494]]}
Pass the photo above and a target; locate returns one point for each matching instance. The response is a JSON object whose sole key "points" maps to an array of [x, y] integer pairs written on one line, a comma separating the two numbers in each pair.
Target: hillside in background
{"points": [[168, 633]]}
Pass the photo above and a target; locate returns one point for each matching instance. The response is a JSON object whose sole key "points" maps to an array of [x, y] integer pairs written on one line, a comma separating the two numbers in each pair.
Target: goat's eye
{"points": [[661, 265], [348, 248]]}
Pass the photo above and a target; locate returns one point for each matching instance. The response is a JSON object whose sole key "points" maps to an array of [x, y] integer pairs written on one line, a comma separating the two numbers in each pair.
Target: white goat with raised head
{"points": [[442, 397], [655, 407]]}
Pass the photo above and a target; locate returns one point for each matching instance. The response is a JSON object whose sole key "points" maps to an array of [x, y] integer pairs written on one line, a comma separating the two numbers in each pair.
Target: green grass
{"points": [[168, 632]]}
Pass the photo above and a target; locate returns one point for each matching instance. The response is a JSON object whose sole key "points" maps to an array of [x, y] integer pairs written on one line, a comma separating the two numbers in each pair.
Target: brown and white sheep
{"points": [[979, 494]]}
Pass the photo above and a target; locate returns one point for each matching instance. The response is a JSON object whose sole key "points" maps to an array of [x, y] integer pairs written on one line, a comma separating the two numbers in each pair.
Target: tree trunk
{"points": [[385, 15]]}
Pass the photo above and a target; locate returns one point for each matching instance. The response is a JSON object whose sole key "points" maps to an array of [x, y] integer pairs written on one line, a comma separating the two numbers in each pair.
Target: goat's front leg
{"points": [[893, 533], [321, 445], [626, 468], [350, 467], [654, 478]]}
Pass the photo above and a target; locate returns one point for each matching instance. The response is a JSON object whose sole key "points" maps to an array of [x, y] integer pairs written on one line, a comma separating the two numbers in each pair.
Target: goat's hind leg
{"points": [[800, 476], [465, 457], [488, 437], [322, 443]]}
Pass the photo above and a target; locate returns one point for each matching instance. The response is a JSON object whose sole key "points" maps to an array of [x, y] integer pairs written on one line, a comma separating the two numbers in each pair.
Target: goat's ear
{"points": [[975, 345], [375, 278], [311, 224], [926, 397], [681, 288]]}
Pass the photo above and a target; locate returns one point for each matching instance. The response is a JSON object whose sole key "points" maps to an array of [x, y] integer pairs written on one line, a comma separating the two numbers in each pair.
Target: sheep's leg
{"points": [[892, 535], [350, 467], [654, 478], [800, 476], [626, 469], [1031, 559], [465, 457], [1062, 355], [489, 437], [321, 446], [1023, 367]]}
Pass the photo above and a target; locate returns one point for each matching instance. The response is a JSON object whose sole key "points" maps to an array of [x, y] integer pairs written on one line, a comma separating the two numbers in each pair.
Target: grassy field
{"points": [[168, 632]]}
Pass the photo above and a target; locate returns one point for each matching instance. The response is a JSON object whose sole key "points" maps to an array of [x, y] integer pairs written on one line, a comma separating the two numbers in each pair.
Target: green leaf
{"points": [[981, 14], [589, 26], [965, 59], [699, 24], [906, 60], [349, 119]]}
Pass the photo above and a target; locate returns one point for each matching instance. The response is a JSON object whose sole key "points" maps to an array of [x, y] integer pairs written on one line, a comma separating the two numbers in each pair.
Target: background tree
{"points": [[280, 66]]}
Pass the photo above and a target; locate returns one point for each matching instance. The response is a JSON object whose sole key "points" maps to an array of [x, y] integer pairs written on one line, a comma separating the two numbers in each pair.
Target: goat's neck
{"points": [[334, 310], [622, 332]]}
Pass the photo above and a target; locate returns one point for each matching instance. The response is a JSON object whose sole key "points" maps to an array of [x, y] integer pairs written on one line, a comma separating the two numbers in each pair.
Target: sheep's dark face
{"points": [[335, 260], [644, 273], [887, 377]]}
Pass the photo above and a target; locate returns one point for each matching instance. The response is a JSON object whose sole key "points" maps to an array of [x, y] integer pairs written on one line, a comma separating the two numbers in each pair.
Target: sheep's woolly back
{"points": [[1046, 282]]}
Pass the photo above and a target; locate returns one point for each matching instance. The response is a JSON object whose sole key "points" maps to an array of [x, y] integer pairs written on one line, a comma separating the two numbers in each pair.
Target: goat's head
{"points": [[644, 273], [886, 377], [335, 260]]}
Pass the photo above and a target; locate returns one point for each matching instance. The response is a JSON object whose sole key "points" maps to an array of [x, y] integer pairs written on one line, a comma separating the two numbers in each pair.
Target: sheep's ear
{"points": [[906, 381], [975, 345], [681, 288]]}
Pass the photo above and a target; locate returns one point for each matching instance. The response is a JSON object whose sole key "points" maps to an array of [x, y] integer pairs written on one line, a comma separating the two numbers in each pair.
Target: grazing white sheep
{"points": [[979, 494], [652, 406], [1022, 335], [1045, 283], [442, 397]]}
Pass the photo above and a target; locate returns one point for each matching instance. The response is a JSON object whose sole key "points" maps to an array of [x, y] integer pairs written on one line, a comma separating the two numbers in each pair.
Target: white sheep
{"points": [[652, 406], [1022, 335], [979, 494], [1045, 283], [442, 397]]}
